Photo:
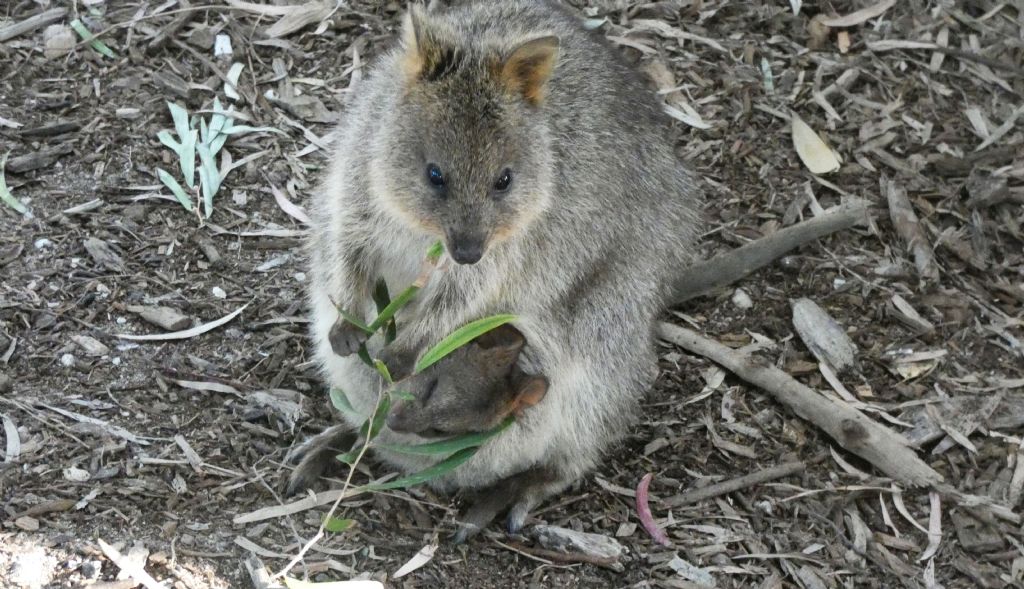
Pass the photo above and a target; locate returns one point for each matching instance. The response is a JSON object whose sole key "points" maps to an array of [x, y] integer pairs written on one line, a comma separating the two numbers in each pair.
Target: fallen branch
{"points": [[735, 264], [32, 23], [731, 485], [886, 450]]}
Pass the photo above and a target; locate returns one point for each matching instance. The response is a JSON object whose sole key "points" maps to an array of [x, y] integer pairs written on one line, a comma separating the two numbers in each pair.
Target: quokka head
{"points": [[466, 154]]}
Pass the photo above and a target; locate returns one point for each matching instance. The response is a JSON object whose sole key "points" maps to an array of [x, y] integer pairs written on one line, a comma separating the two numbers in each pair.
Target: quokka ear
{"points": [[501, 346], [426, 55], [527, 69], [531, 390]]}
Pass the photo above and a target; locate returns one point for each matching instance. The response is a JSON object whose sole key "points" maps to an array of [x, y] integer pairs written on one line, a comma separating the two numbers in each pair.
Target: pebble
{"points": [[90, 345], [219, 292], [42, 243], [741, 299], [67, 360], [91, 569]]}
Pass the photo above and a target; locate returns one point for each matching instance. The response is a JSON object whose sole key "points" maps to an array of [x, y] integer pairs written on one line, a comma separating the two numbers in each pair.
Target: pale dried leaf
{"points": [[814, 153]]}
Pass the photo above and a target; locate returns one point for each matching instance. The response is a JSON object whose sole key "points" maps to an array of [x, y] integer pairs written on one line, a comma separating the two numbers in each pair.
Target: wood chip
{"points": [[909, 228], [823, 335]]}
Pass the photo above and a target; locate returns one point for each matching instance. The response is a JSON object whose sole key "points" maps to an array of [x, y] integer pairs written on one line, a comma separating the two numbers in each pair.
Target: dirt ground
{"points": [[158, 445]]}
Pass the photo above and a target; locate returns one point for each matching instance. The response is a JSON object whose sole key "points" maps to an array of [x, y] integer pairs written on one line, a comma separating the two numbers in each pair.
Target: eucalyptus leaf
{"points": [[87, 35], [435, 251], [393, 307], [403, 395], [336, 524], [349, 317], [459, 338], [341, 403], [382, 369], [450, 445], [440, 469], [175, 188]]}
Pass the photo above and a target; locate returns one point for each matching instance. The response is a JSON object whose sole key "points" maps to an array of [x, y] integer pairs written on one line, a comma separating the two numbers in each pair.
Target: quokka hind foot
{"points": [[317, 456]]}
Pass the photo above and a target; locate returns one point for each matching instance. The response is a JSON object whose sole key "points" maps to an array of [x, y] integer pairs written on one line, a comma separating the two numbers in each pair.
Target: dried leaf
{"points": [[814, 153], [862, 15], [420, 559], [187, 333]]}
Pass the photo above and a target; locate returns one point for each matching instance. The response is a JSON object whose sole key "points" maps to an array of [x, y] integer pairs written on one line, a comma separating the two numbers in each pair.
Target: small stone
{"points": [[76, 475], [222, 46], [90, 345], [91, 569], [59, 41], [164, 317], [67, 360], [742, 300], [128, 114], [300, 276], [219, 292], [42, 243], [29, 524]]}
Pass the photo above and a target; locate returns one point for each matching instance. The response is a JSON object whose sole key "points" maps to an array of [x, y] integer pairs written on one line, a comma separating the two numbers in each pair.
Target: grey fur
{"points": [[582, 248]]}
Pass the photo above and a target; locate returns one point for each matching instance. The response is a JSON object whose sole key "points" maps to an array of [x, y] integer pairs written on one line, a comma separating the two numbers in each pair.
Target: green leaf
{"points": [[459, 338], [403, 395], [349, 457], [363, 355], [175, 189], [383, 370], [378, 419], [5, 193], [86, 35], [204, 131], [209, 174], [180, 117], [354, 320], [341, 403], [381, 296], [441, 468], [165, 138], [450, 445], [393, 307], [435, 251], [335, 525], [187, 158]]}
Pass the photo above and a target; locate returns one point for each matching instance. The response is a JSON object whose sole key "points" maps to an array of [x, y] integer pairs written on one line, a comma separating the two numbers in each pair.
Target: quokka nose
{"points": [[467, 251]]}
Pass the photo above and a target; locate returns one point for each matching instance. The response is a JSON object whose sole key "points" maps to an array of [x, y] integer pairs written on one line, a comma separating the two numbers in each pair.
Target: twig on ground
{"points": [[735, 264], [732, 485], [886, 450], [32, 23], [169, 31], [136, 572]]}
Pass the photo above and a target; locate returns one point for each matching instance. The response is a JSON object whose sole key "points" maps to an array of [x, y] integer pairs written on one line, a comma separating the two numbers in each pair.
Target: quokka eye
{"points": [[503, 181], [435, 176]]}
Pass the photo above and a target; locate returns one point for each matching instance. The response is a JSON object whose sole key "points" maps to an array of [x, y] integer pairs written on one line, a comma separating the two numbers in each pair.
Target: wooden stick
{"points": [[754, 478], [886, 450], [32, 23], [735, 264]]}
